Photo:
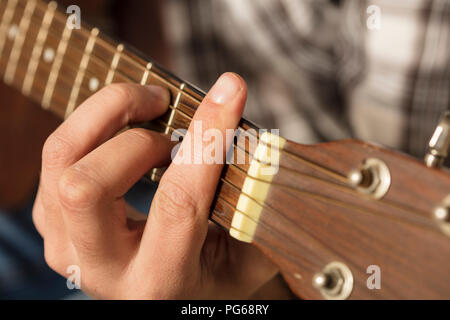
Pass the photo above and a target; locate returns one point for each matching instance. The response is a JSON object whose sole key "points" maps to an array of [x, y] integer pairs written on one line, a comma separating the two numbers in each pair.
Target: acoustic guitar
{"points": [[344, 219]]}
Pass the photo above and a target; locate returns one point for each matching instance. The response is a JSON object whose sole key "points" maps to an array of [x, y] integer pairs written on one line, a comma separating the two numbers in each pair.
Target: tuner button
{"points": [[321, 280], [334, 282], [372, 177], [442, 214], [355, 178]]}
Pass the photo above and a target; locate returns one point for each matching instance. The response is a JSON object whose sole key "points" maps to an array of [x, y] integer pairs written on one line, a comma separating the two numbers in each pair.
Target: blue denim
{"points": [[23, 271]]}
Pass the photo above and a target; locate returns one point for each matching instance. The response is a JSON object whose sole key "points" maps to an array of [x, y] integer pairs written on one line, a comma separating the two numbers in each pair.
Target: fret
{"points": [[132, 67], [6, 22], [114, 64], [160, 78], [176, 118], [193, 95], [13, 30], [187, 104], [69, 71], [27, 48], [18, 42], [96, 70], [56, 66], [80, 75], [46, 61], [12, 33], [171, 114], [146, 73], [175, 105], [38, 49]]}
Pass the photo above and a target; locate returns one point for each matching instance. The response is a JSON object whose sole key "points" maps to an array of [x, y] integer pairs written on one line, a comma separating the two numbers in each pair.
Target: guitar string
{"points": [[282, 235], [332, 253], [107, 46], [118, 72], [296, 156], [416, 222], [141, 68], [330, 183], [129, 79], [349, 259], [62, 18], [291, 154], [275, 248], [278, 214]]}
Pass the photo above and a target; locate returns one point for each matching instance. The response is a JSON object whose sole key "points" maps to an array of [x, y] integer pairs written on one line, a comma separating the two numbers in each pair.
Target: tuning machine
{"points": [[335, 281], [439, 143], [372, 178]]}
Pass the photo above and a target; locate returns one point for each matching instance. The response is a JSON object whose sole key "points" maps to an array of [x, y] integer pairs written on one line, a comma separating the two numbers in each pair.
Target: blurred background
{"points": [[319, 70]]}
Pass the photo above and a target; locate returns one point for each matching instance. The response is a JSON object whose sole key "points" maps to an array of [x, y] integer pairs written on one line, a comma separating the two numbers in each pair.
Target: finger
{"points": [[95, 121], [99, 118], [178, 218], [91, 191]]}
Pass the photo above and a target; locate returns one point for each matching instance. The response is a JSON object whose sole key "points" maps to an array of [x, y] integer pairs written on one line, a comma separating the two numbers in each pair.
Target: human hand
{"points": [[81, 214]]}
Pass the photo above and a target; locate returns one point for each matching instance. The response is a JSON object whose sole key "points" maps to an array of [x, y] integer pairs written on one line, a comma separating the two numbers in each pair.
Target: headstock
{"points": [[340, 216]]}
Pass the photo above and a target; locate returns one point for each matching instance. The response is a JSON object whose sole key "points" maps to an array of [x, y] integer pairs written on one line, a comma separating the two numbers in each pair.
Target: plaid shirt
{"points": [[317, 71]]}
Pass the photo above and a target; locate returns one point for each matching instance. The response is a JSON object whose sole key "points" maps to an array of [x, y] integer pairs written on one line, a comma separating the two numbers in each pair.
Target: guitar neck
{"points": [[59, 68]]}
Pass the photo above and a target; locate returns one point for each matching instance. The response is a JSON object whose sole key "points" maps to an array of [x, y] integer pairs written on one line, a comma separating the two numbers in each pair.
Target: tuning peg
{"points": [[321, 280], [372, 177], [442, 214], [335, 281], [439, 143]]}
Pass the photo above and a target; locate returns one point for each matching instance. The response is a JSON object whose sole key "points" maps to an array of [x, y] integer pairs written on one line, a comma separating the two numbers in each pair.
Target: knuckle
{"points": [[77, 190], [56, 151], [175, 204]]}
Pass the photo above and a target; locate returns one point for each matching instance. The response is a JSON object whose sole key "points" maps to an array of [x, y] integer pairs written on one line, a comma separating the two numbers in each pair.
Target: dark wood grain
{"points": [[309, 223]]}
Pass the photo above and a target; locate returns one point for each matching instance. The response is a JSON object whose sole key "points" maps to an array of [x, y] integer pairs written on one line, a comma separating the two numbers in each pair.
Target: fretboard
{"points": [[59, 68]]}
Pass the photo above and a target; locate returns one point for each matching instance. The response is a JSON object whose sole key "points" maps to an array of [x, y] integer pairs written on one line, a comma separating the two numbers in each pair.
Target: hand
{"points": [[81, 214]]}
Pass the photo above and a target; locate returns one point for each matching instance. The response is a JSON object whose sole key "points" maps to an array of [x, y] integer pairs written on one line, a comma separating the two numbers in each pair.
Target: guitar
{"points": [[344, 219]]}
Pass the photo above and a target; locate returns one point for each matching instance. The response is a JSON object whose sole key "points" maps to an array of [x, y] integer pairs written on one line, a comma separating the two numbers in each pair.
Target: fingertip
{"points": [[238, 78], [160, 95], [228, 87]]}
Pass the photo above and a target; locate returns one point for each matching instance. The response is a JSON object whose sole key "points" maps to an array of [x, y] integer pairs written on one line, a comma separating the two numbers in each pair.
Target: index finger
{"points": [[100, 117], [91, 124]]}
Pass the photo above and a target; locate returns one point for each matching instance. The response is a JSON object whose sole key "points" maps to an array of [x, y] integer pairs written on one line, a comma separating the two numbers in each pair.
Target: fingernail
{"points": [[225, 88]]}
